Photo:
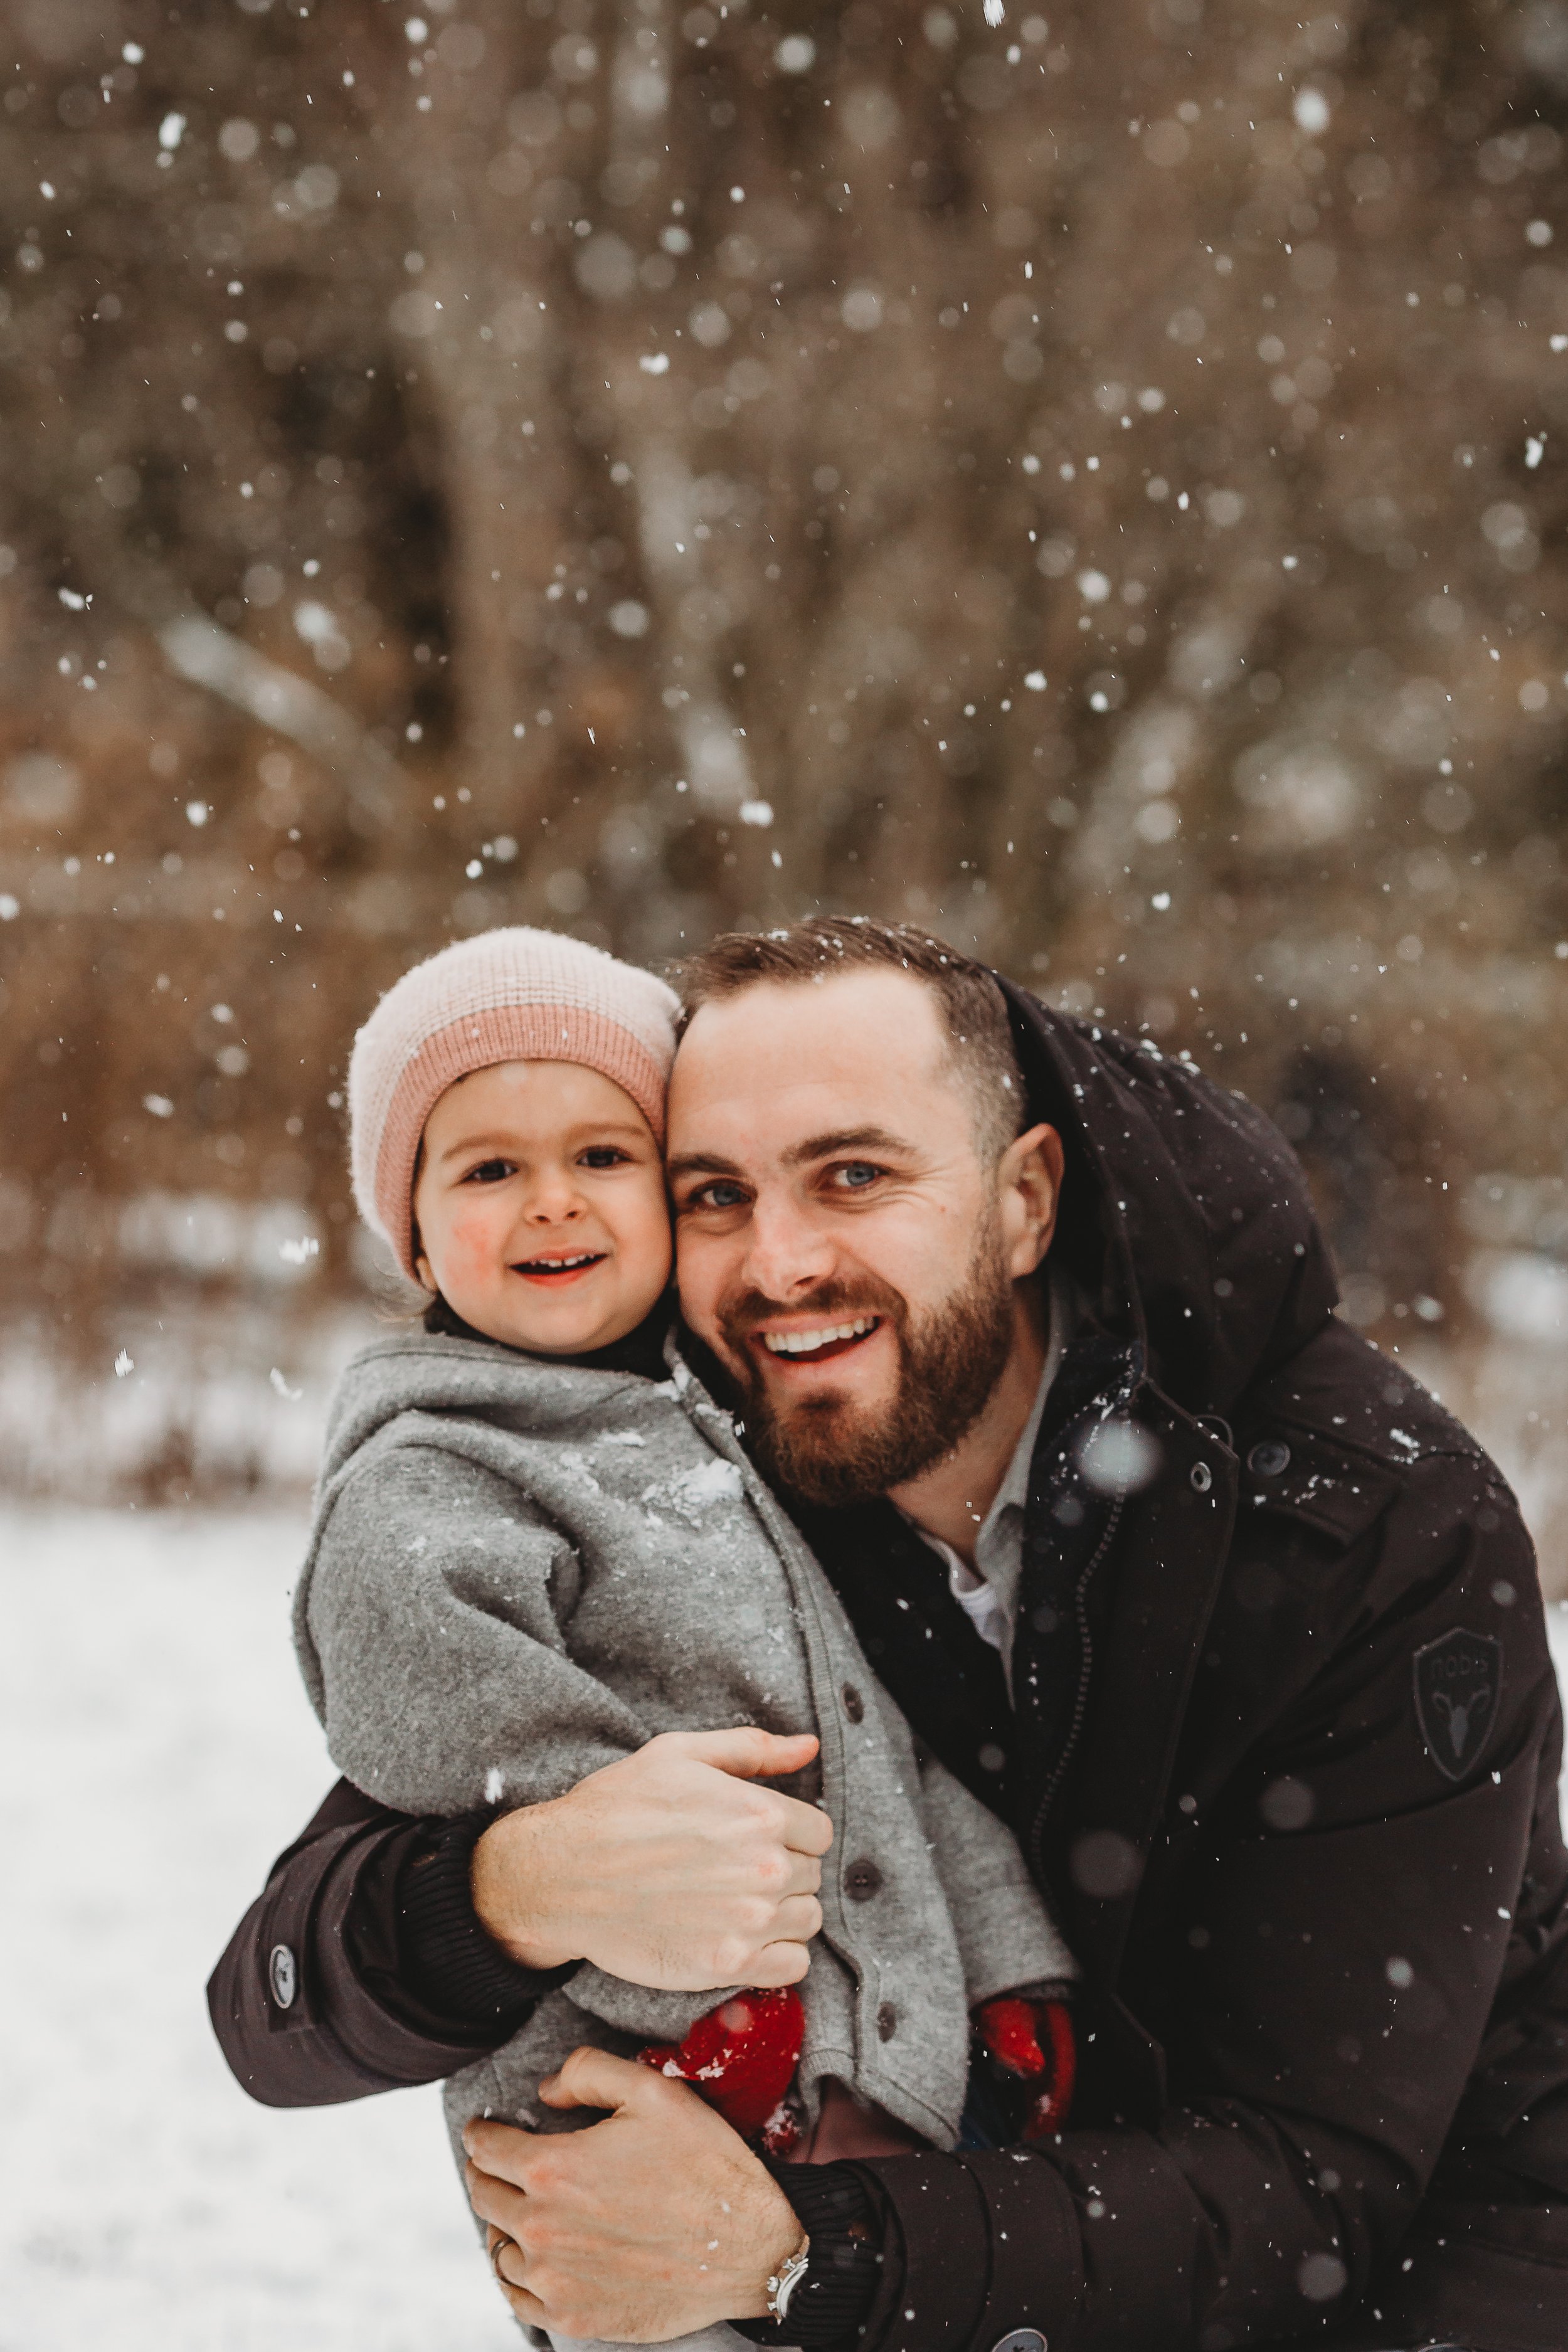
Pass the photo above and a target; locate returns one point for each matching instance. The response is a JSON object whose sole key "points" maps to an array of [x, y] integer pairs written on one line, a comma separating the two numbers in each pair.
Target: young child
{"points": [[528, 1558]]}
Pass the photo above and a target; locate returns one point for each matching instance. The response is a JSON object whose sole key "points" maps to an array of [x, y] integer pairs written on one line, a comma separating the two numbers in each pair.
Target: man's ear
{"points": [[1029, 1187]]}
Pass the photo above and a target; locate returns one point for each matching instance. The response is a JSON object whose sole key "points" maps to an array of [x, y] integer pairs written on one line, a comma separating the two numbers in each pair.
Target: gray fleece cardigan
{"points": [[519, 1571]]}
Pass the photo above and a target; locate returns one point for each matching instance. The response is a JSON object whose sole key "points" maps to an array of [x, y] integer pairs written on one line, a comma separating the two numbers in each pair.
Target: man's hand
{"points": [[668, 1868], [653, 2223]]}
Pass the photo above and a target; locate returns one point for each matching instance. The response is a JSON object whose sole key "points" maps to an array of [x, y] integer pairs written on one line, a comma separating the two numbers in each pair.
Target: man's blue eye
{"points": [[718, 1196], [858, 1174]]}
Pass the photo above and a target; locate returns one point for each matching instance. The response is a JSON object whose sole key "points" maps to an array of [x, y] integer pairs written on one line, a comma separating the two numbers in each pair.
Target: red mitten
{"points": [[742, 2058], [1034, 2040]]}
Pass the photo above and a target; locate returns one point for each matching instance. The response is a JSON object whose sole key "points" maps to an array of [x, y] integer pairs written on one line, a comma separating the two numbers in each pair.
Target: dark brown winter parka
{"points": [[1284, 1751]]}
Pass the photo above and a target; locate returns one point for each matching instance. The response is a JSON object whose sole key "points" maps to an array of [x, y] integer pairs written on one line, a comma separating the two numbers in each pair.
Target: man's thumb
{"points": [[594, 2078], [753, 1754]]}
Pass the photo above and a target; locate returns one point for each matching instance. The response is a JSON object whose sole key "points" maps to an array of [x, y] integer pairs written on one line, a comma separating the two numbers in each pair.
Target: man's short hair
{"points": [[969, 1005]]}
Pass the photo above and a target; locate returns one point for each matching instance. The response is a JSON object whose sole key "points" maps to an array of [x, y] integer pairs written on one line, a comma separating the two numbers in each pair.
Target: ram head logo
{"points": [[1458, 1680]]}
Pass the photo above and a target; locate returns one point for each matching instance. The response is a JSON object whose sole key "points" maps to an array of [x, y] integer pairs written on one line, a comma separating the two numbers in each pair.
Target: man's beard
{"points": [[830, 1451]]}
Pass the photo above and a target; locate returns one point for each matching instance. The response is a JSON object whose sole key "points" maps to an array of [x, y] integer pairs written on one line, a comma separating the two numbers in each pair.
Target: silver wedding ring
{"points": [[497, 2250]]}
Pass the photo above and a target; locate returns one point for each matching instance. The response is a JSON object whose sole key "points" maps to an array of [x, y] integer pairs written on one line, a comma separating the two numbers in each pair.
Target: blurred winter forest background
{"points": [[1088, 478]]}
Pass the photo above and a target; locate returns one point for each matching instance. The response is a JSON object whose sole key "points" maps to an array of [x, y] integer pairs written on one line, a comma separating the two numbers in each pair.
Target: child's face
{"points": [[541, 1207]]}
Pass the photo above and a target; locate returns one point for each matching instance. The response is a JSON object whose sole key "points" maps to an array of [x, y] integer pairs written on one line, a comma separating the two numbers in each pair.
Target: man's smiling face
{"points": [[842, 1245]]}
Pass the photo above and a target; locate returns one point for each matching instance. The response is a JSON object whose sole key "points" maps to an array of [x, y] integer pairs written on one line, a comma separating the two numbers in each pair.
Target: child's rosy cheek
{"points": [[472, 1242]]}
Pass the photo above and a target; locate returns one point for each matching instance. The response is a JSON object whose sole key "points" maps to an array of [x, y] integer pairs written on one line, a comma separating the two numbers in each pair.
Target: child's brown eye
{"points": [[489, 1171], [602, 1155]]}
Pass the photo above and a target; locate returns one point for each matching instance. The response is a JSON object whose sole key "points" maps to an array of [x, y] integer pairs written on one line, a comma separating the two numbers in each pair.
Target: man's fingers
{"points": [[495, 2238], [797, 1920], [503, 2149], [508, 2268], [525, 2306], [594, 2078], [749, 1754], [803, 1828], [807, 1828], [494, 2200], [779, 1964], [805, 1874]]}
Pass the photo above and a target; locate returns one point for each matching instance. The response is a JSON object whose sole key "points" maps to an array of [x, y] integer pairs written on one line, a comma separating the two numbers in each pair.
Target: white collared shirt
{"points": [[988, 1593]]}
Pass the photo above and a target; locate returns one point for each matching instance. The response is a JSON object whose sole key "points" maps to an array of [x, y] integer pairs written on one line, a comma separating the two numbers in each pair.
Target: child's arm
{"points": [[428, 1628]]}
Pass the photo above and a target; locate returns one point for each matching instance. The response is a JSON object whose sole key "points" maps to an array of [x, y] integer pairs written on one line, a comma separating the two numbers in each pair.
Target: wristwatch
{"points": [[783, 2285]]}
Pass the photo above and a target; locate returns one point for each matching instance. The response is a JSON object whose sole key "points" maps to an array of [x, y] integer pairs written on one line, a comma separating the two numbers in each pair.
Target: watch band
{"points": [[783, 2285]]}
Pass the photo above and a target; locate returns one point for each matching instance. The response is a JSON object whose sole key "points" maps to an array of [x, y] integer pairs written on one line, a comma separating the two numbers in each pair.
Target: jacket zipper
{"points": [[1080, 1699]]}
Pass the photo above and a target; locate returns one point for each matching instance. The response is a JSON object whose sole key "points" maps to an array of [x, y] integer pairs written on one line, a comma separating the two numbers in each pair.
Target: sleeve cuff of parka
{"points": [[450, 1961], [990, 2243], [335, 2039], [841, 2215]]}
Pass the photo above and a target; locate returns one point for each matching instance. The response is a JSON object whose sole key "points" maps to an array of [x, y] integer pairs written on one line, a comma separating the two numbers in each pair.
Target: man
{"points": [[1208, 1600]]}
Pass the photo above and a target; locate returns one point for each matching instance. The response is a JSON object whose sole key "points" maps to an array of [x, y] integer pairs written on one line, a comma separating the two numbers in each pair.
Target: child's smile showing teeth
{"points": [[816, 1344], [558, 1268]]}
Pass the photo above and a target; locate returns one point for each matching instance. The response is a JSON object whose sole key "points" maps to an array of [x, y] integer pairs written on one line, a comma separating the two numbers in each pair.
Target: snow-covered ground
{"points": [[155, 1748]]}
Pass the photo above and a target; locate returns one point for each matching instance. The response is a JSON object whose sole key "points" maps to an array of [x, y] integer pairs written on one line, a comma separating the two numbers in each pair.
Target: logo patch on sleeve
{"points": [[1459, 1681]]}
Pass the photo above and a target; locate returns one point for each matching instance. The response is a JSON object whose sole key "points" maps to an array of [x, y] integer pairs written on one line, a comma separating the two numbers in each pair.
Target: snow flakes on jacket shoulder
{"points": [[573, 1463], [695, 1491]]}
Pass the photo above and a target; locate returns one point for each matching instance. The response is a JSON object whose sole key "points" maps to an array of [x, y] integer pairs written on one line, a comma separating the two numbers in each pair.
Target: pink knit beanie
{"points": [[513, 996]]}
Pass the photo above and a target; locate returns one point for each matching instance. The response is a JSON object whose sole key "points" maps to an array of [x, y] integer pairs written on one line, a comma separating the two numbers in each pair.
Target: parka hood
{"points": [[1186, 1217]]}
